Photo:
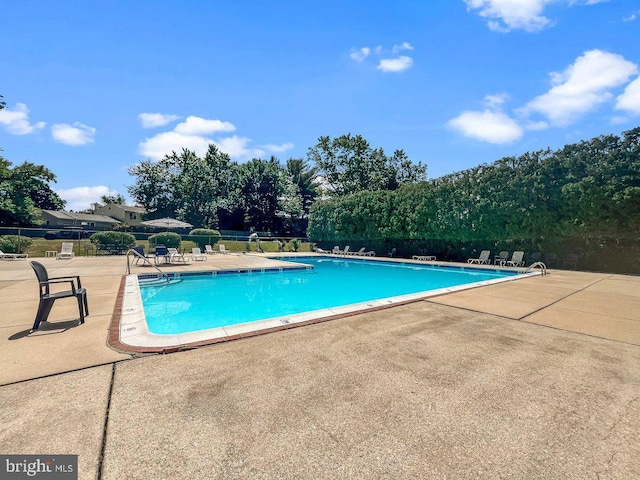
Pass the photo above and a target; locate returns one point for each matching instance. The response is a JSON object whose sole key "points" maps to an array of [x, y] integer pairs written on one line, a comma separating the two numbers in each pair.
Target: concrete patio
{"points": [[538, 378]]}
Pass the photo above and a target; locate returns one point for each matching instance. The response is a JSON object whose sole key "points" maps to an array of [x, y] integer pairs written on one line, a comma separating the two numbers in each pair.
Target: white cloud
{"points": [[495, 100], [630, 98], [202, 126], [506, 15], [192, 134], [395, 64], [152, 120], [81, 198], [631, 17], [164, 143], [488, 126], [278, 148], [238, 147], [536, 125], [74, 135], [360, 55], [16, 121], [398, 64], [581, 87], [402, 46]]}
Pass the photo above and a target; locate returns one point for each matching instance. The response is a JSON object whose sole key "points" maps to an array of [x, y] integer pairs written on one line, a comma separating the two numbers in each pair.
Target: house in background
{"points": [[61, 218], [130, 215]]}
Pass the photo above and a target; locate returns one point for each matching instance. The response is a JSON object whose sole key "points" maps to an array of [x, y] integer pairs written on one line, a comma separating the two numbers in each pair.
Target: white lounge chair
{"points": [[517, 259], [209, 250], [222, 248], [336, 250], [346, 251], [359, 253], [12, 256], [483, 259], [66, 251], [197, 255], [175, 256], [424, 258]]}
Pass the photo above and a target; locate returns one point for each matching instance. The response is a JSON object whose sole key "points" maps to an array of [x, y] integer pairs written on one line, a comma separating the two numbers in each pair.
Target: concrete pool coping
{"points": [[129, 332]]}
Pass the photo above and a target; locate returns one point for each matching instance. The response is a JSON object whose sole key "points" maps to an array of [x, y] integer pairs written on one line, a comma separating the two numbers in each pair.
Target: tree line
{"points": [[262, 194]]}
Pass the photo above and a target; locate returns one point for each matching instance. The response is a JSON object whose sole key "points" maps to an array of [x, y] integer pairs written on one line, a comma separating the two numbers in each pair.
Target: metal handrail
{"points": [[540, 265], [146, 260]]}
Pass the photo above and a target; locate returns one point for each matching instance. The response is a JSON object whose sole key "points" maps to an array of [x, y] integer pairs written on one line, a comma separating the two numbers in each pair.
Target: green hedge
{"points": [[168, 239], [113, 238], [204, 236], [14, 243]]}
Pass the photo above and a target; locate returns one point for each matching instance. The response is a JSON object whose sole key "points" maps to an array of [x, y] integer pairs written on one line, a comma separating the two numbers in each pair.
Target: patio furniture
{"points": [[161, 254], [336, 250], [175, 256], [209, 250], [359, 252], [392, 253], [48, 297], [66, 251], [197, 255], [571, 261], [551, 259], [483, 259], [222, 248], [140, 255], [535, 257], [12, 256], [50, 253], [425, 258], [501, 258], [517, 259]]}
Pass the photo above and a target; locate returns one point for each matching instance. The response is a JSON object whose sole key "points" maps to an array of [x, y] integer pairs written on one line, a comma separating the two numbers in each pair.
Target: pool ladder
{"points": [[162, 276], [539, 265]]}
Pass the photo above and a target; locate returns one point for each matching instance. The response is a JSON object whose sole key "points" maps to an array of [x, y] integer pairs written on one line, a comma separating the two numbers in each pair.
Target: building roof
{"points": [[126, 208], [80, 217]]}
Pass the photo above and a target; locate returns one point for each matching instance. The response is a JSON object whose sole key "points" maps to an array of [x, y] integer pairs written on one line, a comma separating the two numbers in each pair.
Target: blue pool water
{"points": [[203, 302]]}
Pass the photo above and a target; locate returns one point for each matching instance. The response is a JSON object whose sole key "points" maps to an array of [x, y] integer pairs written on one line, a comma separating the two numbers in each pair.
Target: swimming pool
{"points": [[219, 304]]}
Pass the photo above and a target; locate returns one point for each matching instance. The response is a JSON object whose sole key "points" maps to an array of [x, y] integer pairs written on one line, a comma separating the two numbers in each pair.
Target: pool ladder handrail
{"points": [[539, 265], [146, 260]]}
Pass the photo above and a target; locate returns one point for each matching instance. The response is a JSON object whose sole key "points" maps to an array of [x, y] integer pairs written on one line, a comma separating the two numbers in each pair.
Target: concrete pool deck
{"points": [[538, 378]]}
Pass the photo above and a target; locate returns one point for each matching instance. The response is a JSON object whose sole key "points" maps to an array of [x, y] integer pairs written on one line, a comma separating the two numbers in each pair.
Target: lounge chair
{"points": [[197, 255], [140, 255], [47, 297], [551, 259], [320, 250], [209, 250], [175, 256], [370, 253], [517, 259], [501, 258], [483, 259], [392, 253], [161, 254], [359, 253], [222, 248], [336, 250], [12, 256], [535, 257], [66, 251], [571, 261], [346, 251], [425, 258]]}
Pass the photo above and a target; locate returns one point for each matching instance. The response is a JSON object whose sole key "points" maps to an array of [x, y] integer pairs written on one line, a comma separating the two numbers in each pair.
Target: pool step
{"points": [[158, 282]]}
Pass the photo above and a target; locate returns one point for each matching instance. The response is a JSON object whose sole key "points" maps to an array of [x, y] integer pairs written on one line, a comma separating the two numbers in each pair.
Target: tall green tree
{"points": [[349, 165], [117, 199], [24, 190], [191, 188], [266, 194], [305, 178]]}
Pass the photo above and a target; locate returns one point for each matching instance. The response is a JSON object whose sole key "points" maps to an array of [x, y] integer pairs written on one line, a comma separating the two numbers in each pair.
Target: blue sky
{"points": [[94, 87]]}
